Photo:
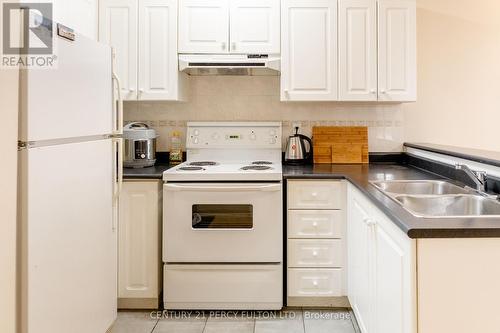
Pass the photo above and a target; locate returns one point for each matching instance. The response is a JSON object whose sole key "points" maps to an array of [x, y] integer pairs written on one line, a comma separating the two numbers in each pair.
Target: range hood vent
{"points": [[229, 64]]}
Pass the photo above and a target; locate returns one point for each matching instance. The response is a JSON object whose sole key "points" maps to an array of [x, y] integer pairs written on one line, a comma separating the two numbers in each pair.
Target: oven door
{"points": [[222, 222]]}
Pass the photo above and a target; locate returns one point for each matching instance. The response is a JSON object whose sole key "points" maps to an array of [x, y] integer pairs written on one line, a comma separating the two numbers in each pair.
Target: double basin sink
{"points": [[439, 199]]}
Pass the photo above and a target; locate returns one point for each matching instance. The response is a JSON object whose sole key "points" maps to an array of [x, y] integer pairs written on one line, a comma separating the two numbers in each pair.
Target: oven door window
{"points": [[219, 216]]}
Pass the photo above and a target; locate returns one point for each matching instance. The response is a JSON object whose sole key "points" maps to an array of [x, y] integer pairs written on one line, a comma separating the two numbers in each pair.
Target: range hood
{"points": [[229, 64]]}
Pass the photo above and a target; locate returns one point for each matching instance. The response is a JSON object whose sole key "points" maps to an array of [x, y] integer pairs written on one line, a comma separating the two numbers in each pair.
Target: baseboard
{"points": [[315, 302], [138, 303]]}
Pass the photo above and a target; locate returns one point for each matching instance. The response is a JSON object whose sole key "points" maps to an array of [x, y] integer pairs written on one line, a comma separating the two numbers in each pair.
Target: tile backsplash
{"points": [[256, 98]]}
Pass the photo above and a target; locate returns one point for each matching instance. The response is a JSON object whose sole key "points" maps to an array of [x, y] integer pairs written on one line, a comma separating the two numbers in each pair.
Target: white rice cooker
{"points": [[140, 145]]}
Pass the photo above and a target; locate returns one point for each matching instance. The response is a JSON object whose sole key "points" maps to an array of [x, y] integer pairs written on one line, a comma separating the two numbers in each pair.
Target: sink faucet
{"points": [[478, 177]]}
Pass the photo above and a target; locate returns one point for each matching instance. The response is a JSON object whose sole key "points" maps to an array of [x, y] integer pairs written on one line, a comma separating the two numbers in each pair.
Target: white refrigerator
{"points": [[70, 179]]}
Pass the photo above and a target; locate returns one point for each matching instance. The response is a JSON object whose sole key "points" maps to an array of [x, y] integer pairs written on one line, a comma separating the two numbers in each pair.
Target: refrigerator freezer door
{"points": [[69, 245], [75, 99]]}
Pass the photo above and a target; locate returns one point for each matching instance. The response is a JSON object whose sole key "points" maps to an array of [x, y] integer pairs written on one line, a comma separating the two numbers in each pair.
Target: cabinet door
{"points": [[394, 278], [158, 70], [397, 50], [138, 244], [358, 50], [203, 26], [255, 26], [309, 50], [359, 240], [118, 28]]}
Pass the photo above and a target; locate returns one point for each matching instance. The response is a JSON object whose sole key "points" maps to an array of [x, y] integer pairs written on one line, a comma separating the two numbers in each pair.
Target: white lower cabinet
{"points": [[139, 245], [315, 282], [316, 245], [381, 269]]}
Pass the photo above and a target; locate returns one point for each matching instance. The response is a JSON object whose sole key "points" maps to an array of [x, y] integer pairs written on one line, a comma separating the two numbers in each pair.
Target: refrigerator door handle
{"points": [[118, 177], [119, 109], [119, 166]]}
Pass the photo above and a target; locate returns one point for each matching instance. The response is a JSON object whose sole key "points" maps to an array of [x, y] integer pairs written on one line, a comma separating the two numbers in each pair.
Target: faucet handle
{"points": [[481, 175]]}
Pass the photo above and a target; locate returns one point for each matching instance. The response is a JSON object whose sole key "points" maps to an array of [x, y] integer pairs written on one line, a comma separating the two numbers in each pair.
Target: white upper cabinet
{"points": [[397, 50], [309, 50], [203, 26], [358, 50], [118, 28], [255, 26], [144, 36], [158, 68]]}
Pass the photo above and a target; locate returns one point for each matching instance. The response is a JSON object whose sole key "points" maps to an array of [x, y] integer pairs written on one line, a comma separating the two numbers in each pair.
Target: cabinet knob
{"points": [[141, 90], [315, 253], [131, 90], [315, 283], [315, 224], [373, 91], [382, 91], [314, 194]]}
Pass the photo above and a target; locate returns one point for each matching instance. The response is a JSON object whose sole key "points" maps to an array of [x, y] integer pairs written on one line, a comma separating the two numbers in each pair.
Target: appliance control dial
{"points": [[196, 132], [195, 141]]}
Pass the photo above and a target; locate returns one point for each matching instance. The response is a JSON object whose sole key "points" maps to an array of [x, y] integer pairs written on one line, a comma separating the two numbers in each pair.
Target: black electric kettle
{"points": [[296, 152]]}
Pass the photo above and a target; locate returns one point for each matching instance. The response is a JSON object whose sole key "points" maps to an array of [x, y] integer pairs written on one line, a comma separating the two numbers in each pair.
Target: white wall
{"points": [[458, 74], [8, 198]]}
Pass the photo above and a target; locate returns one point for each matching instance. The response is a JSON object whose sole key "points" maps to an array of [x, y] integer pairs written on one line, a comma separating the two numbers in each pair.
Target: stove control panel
{"points": [[226, 135]]}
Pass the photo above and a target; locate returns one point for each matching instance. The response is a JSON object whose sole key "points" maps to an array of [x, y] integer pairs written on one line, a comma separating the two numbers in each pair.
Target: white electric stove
{"points": [[230, 152], [222, 219]]}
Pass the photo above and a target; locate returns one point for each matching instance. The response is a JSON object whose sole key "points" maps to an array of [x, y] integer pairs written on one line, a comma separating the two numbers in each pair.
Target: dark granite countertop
{"points": [[154, 172], [361, 175], [478, 155]]}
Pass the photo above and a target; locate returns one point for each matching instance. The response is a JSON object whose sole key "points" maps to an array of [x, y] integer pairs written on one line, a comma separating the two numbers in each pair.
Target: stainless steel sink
{"points": [[450, 206], [419, 187]]}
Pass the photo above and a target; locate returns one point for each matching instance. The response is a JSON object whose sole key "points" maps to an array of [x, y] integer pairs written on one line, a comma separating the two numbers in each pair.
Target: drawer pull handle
{"points": [[315, 253], [315, 283]]}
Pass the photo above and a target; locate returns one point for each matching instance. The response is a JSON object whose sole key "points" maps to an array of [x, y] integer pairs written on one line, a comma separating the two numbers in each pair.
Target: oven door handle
{"points": [[223, 188]]}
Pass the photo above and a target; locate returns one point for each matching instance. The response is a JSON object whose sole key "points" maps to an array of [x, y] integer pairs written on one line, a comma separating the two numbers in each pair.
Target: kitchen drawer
{"points": [[315, 253], [306, 194], [315, 224], [315, 282], [215, 286]]}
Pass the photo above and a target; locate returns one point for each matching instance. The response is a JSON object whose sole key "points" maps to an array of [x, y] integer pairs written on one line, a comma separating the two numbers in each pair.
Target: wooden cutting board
{"points": [[340, 145]]}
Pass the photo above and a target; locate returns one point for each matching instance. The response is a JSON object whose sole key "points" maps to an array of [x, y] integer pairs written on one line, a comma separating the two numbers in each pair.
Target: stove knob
{"points": [[195, 141], [196, 132]]}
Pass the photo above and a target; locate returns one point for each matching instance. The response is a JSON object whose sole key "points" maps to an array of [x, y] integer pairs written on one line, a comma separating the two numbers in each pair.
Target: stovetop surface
{"points": [[225, 171]]}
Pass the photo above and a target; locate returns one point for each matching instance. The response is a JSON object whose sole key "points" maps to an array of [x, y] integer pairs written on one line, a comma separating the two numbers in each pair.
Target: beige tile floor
{"points": [[286, 321]]}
